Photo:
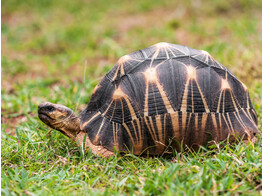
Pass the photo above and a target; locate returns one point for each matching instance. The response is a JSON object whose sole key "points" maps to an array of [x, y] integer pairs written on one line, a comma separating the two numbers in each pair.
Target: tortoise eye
{"points": [[50, 108]]}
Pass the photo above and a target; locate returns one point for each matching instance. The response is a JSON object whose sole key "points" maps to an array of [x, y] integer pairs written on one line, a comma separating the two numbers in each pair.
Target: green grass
{"points": [[58, 51]]}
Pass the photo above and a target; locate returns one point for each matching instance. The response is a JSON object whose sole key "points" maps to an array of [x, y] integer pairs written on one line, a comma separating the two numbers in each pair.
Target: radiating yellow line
{"points": [[146, 100], [239, 121], [113, 124], [123, 115], [175, 124], [184, 98], [189, 119], [249, 118], [134, 128], [184, 115], [113, 112], [230, 123], [116, 73], [167, 56], [196, 125], [153, 127], [165, 98], [225, 121], [224, 95], [248, 106], [154, 57], [97, 135], [220, 125], [164, 126], [107, 108], [139, 129], [192, 96], [219, 101], [84, 124], [203, 98], [232, 97], [159, 128], [129, 133], [253, 111], [171, 52], [213, 116], [243, 124], [204, 120], [130, 107]]}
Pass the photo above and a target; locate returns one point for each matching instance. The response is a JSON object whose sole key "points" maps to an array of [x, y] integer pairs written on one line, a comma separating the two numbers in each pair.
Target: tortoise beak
{"points": [[44, 109]]}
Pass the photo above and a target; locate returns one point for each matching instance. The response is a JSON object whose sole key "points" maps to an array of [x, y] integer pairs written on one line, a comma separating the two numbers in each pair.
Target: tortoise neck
{"points": [[70, 127]]}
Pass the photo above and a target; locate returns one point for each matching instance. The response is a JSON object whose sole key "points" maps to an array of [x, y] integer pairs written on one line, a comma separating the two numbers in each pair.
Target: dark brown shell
{"points": [[164, 96]]}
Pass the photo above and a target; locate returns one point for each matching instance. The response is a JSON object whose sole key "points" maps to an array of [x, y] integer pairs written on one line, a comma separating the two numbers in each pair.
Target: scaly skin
{"points": [[67, 122]]}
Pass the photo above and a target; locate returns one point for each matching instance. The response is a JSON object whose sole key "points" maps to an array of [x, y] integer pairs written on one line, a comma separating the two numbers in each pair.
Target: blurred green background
{"points": [[47, 45], [59, 50]]}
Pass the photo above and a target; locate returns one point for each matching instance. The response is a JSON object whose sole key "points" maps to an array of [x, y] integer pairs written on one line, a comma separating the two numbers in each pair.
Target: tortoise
{"points": [[157, 99]]}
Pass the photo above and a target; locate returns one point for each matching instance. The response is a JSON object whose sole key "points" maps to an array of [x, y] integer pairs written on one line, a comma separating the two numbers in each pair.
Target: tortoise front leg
{"points": [[97, 150]]}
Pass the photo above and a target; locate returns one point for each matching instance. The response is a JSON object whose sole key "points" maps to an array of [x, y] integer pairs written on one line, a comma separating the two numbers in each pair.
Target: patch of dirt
{"points": [[17, 18], [183, 37], [10, 123], [154, 18], [36, 68], [93, 66]]}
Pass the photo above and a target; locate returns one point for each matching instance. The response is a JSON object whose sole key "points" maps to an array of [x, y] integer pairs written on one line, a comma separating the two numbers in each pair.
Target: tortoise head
{"points": [[59, 117]]}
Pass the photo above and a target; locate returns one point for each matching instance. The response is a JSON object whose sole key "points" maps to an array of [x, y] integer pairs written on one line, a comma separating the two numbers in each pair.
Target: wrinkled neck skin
{"points": [[70, 128]]}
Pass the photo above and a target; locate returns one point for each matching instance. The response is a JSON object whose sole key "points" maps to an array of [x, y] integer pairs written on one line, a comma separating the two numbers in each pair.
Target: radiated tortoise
{"points": [[157, 99]]}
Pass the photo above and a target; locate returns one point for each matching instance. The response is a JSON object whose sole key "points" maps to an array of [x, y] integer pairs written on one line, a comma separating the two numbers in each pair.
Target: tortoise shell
{"points": [[166, 96]]}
